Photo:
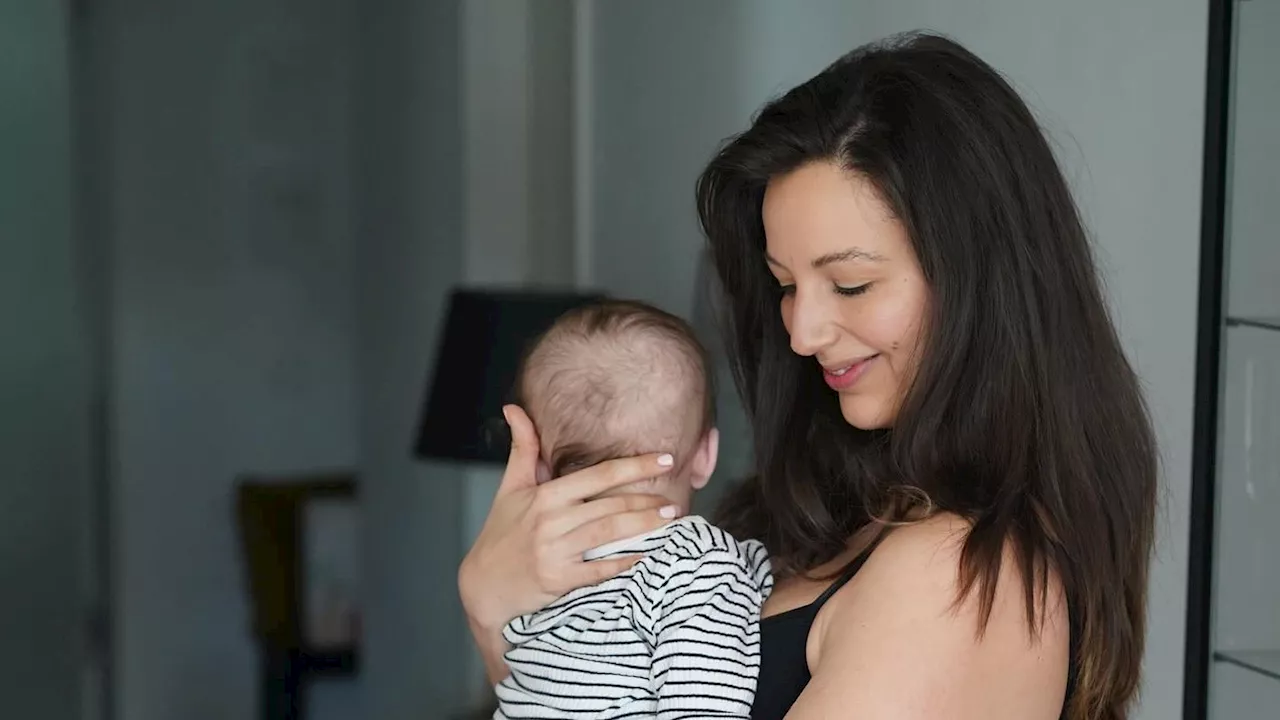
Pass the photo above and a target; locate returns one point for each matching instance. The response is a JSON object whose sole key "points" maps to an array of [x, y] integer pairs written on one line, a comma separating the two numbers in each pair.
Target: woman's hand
{"points": [[529, 551]]}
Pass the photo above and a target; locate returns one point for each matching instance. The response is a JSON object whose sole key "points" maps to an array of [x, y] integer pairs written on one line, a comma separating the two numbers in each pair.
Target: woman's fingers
{"points": [[619, 526], [561, 522], [597, 571], [522, 464], [592, 481]]}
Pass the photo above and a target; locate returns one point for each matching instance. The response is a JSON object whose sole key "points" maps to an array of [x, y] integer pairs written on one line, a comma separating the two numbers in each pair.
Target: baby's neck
{"points": [[626, 545], [675, 489]]}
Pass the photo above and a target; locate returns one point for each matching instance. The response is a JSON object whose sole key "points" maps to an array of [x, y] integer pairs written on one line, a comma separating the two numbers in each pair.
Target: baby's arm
{"points": [[707, 651]]}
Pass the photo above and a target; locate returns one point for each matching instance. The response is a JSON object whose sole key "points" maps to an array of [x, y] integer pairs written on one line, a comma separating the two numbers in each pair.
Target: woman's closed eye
{"points": [[855, 290], [839, 289]]}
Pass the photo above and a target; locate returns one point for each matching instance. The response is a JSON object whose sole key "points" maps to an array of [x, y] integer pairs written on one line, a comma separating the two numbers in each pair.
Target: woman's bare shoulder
{"points": [[897, 643]]}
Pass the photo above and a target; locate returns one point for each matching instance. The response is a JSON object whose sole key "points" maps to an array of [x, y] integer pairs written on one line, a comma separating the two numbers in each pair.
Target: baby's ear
{"points": [[544, 471], [704, 459]]}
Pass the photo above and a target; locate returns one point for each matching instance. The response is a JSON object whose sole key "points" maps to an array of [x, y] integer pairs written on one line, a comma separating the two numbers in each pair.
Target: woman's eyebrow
{"points": [[853, 253]]}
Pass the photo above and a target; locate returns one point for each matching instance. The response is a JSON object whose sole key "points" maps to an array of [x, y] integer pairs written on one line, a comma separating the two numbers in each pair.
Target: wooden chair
{"points": [[270, 514]]}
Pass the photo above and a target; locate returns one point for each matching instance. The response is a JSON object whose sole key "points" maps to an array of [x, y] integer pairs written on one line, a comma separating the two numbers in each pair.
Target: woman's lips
{"points": [[843, 377]]}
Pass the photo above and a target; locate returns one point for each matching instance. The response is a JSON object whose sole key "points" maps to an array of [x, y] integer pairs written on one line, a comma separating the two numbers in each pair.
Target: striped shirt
{"points": [[677, 636]]}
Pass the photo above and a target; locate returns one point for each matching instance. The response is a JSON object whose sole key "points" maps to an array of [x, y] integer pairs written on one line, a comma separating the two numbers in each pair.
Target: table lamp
{"points": [[486, 333]]}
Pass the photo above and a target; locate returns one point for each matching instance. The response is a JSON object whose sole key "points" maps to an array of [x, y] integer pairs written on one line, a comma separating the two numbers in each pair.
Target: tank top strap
{"points": [[845, 575]]}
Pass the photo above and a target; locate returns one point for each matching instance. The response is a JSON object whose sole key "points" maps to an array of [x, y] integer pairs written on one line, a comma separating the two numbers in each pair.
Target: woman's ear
{"points": [[543, 473], [704, 459]]}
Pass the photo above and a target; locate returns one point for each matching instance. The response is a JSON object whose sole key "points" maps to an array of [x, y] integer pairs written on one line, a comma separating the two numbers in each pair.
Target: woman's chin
{"points": [[865, 413]]}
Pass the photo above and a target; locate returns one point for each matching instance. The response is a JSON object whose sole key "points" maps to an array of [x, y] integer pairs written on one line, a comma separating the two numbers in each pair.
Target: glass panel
{"points": [[1253, 235], [1245, 678]]}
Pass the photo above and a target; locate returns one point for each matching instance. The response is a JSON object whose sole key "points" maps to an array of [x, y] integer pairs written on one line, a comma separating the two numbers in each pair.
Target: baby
{"points": [[677, 635]]}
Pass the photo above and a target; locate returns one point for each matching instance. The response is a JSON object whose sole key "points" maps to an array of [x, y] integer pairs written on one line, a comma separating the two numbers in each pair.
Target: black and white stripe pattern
{"points": [[675, 637]]}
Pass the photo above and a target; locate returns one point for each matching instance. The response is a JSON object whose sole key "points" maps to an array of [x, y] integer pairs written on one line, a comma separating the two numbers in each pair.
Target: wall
{"points": [[666, 89], [1119, 86], [550, 128], [666, 86], [233, 317], [45, 375], [517, 169], [409, 199], [293, 197]]}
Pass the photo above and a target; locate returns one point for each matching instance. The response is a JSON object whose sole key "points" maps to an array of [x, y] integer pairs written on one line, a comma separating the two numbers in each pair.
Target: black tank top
{"points": [[784, 669]]}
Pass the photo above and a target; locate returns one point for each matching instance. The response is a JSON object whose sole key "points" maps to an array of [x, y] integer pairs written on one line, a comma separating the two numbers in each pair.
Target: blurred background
{"points": [[229, 234]]}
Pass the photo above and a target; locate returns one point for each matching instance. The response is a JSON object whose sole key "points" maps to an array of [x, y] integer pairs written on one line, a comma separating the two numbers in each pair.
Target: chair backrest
{"points": [[269, 513]]}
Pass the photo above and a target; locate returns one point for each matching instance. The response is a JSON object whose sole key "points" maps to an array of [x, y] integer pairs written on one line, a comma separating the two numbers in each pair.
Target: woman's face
{"points": [[854, 298]]}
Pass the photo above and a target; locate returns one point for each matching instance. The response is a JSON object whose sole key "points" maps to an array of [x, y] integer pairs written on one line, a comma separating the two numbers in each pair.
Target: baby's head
{"points": [[619, 378]]}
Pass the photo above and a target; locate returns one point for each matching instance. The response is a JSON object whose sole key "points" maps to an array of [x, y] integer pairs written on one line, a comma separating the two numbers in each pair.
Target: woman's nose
{"points": [[810, 323]]}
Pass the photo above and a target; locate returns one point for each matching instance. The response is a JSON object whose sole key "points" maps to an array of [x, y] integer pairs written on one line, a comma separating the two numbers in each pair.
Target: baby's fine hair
{"points": [[616, 378]]}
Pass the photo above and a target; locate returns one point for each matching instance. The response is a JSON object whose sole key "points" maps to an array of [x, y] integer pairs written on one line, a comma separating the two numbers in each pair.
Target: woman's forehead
{"points": [[820, 214]]}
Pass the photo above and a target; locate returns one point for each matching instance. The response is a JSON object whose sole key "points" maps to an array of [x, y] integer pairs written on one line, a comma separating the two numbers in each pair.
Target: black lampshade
{"points": [[485, 335]]}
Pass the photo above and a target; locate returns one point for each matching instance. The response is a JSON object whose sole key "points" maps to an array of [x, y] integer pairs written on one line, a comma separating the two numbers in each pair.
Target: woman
{"points": [[956, 472]]}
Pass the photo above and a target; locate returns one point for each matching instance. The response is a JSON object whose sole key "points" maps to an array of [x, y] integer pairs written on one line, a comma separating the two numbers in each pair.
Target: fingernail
{"points": [[668, 511], [505, 416], [665, 460]]}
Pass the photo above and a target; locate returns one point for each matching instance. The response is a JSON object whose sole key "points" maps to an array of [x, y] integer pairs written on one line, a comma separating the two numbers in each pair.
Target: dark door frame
{"points": [[89, 102], [1204, 454]]}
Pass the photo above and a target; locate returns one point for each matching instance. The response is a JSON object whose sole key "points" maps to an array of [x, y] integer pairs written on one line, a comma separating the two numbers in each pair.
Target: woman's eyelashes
{"points": [[788, 290], [855, 290]]}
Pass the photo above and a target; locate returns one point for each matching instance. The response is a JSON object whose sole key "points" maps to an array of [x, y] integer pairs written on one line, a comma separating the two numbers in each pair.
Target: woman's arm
{"points": [[894, 644], [529, 551], [492, 648]]}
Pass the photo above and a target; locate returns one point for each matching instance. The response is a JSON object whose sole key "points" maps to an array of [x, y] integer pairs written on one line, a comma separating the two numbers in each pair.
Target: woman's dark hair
{"points": [[1024, 417]]}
